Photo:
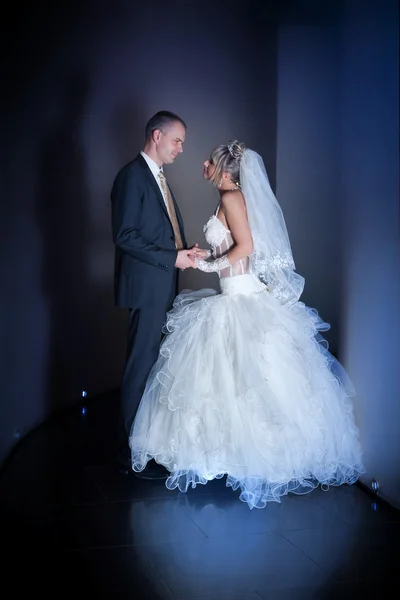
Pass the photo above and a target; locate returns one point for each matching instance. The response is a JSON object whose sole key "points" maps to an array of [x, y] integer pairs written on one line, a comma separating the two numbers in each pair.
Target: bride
{"points": [[244, 386]]}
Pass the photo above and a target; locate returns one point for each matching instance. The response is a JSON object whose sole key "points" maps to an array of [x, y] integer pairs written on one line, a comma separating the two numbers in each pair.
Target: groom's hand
{"points": [[185, 260]]}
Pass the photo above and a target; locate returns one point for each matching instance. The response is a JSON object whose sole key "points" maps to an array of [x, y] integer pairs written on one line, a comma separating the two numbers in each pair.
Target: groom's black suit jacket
{"points": [[145, 252]]}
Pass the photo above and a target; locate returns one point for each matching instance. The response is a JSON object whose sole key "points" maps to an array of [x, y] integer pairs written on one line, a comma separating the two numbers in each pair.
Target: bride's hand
{"points": [[200, 253]]}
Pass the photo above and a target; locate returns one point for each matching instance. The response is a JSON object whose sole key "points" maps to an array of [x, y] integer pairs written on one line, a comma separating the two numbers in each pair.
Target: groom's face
{"points": [[170, 143]]}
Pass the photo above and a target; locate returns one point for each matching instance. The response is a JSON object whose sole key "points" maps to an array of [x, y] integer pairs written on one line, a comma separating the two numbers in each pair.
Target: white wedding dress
{"points": [[245, 387]]}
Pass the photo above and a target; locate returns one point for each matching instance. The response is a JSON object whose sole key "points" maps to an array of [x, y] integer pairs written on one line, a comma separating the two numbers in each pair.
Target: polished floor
{"points": [[71, 524]]}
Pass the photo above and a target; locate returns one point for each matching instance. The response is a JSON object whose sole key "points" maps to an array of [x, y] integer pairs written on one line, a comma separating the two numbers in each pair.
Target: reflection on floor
{"points": [[71, 524]]}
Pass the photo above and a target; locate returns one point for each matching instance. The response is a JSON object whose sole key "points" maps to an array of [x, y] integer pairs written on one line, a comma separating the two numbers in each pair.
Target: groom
{"points": [[150, 246]]}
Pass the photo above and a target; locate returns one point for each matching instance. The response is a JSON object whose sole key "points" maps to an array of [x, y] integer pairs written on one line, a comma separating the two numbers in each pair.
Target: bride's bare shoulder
{"points": [[232, 197], [233, 201]]}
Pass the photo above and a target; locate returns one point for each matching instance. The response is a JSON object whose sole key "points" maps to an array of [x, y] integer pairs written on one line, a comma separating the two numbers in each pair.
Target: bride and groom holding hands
{"points": [[234, 383]]}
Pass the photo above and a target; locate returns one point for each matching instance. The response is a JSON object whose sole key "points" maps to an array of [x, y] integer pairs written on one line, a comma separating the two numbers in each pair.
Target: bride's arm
{"points": [[234, 208]]}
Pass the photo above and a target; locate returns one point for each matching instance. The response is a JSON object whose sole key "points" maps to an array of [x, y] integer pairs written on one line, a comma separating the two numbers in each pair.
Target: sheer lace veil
{"points": [[272, 260]]}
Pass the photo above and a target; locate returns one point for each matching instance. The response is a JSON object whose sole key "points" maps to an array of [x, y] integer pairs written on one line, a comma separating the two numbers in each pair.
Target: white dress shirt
{"points": [[155, 169]]}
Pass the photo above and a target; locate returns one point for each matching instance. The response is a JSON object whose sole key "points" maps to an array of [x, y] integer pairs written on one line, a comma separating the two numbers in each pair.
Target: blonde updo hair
{"points": [[226, 159]]}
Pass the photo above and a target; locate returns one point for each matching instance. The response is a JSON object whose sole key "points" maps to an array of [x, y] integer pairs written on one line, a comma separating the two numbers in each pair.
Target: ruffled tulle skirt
{"points": [[246, 388]]}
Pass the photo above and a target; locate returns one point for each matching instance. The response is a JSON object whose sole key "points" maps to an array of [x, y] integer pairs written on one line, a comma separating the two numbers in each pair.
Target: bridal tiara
{"points": [[240, 151]]}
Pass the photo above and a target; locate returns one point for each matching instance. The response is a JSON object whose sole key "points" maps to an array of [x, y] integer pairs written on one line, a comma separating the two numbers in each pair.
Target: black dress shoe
{"points": [[152, 471], [124, 464], [123, 469]]}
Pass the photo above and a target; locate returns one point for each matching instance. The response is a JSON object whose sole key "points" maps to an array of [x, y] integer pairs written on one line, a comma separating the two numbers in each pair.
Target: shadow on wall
{"points": [[126, 130], [62, 214]]}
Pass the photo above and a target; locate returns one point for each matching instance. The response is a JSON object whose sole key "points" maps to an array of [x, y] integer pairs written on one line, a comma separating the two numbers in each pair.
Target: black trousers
{"points": [[143, 345]]}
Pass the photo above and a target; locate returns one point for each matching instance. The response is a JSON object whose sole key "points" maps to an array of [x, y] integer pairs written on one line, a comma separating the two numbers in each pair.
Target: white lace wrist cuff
{"points": [[213, 266]]}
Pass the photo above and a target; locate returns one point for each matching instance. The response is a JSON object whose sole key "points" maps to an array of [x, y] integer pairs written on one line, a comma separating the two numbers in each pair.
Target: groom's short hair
{"points": [[161, 120]]}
